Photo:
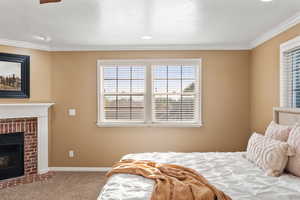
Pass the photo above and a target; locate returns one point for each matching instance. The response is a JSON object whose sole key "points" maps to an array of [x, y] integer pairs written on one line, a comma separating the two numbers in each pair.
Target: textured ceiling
{"points": [[93, 23]]}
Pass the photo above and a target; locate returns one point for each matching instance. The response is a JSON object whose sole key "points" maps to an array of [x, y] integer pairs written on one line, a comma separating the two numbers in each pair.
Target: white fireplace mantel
{"points": [[39, 110]]}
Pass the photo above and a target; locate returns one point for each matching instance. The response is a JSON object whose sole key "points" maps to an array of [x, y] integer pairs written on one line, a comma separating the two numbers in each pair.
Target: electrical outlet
{"points": [[71, 154]]}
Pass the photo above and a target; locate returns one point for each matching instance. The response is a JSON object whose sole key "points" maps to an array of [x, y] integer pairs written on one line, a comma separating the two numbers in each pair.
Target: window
{"points": [[123, 93], [174, 93], [149, 92], [290, 74]]}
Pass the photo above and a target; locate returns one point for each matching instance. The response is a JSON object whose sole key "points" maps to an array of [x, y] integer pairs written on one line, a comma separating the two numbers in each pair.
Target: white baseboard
{"points": [[44, 171], [80, 169]]}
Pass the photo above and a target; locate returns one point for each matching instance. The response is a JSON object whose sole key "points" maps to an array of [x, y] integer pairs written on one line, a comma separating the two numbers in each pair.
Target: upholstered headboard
{"points": [[286, 116]]}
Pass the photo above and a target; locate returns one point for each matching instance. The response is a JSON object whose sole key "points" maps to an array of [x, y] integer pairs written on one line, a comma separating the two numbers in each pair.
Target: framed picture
{"points": [[14, 76]]}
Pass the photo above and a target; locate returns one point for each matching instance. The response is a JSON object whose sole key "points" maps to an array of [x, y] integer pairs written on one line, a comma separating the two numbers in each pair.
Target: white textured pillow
{"points": [[278, 132], [294, 161], [269, 154]]}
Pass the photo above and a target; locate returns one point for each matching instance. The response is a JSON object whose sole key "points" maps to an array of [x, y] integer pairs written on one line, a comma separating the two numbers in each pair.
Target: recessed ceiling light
{"points": [[266, 0], [146, 37], [42, 38]]}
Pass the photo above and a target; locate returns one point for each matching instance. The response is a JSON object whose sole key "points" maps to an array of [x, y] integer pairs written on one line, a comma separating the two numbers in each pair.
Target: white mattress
{"points": [[229, 172]]}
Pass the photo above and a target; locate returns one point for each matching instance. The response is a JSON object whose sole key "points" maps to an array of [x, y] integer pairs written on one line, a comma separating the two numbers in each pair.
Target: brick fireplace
{"points": [[23, 126]]}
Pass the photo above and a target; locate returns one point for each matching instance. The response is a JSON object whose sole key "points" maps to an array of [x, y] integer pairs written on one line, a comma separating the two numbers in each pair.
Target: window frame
{"points": [[283, 89], [149, 121]]}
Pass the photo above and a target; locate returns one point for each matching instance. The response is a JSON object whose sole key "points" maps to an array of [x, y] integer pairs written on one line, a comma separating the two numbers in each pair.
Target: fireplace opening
{"points": [[11, 155]]}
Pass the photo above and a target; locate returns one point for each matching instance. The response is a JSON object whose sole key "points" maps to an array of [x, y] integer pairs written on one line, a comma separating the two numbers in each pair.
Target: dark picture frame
{"points": [[23, 90]]}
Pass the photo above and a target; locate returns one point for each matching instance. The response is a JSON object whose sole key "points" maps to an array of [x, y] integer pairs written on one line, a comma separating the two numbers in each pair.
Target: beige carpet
{"points": [[63, 186]]}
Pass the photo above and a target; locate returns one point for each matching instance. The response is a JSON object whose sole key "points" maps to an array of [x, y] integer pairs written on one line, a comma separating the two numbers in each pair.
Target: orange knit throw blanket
{"points": [[173, 182]]}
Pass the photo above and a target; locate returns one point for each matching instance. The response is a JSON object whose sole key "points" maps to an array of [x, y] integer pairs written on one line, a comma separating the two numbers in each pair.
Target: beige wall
{"points": [[233, 102], [239, 90], [69, 79], [40, 74], [225, 109], [264, 79]]}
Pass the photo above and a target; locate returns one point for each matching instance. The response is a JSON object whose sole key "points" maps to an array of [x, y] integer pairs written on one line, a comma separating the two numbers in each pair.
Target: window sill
{"points": [[169, 125]]}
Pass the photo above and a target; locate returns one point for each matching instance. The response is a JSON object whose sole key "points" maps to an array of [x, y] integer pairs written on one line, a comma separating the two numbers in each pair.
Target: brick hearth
{"points": [[29, 127]]}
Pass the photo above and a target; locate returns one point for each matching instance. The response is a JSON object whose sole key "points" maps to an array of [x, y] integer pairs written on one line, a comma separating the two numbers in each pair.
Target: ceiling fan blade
{"points": [[49, 1]]}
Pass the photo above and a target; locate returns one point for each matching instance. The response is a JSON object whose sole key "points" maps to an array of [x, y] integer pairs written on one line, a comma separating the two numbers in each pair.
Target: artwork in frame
{"points": [[14, 76]]}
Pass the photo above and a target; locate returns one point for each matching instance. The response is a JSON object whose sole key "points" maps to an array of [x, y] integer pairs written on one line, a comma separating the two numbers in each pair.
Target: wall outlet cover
{"points": [[71, 154], [72, 112]]}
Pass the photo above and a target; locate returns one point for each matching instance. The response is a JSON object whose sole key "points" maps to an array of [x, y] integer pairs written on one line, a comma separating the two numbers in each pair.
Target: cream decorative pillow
{"points": [[294, 161], [269, 154], [278, 132]]}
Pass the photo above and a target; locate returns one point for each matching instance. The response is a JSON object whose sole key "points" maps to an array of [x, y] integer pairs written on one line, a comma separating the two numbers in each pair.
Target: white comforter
{"points": [[229, 172]]}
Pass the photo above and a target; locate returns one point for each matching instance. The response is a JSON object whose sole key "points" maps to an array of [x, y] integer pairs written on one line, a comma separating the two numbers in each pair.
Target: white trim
{"points": [[200, 82], [149, 120], [169, 47], [44, 171], [166, 125], [99, 92], [292, 21], [284, 47], [27, 104], [295, 42], [23, 44], [32, 45], [192, 61], [79, 169], [39, 110]]}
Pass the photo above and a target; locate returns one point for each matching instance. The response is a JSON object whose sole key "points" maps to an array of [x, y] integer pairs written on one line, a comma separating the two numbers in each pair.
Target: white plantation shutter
{"points": [[290, 78], [175, 93], [123, 93]]}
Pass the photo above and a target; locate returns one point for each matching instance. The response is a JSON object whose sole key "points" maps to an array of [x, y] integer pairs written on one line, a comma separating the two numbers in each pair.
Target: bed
{"points": [[229, 172]]}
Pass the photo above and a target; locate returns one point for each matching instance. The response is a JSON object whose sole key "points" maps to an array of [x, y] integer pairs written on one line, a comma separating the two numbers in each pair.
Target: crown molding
{"points": [[30, 45], [23, 44], [292, 21], [151, 47]]}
